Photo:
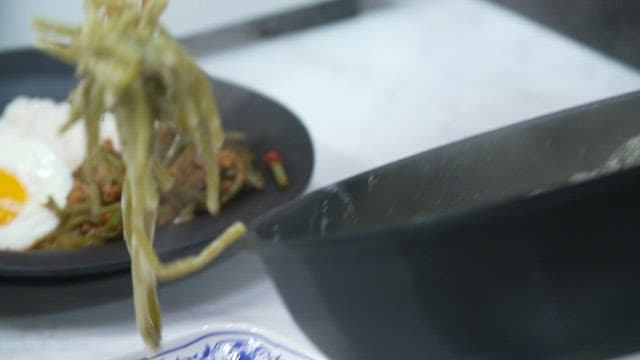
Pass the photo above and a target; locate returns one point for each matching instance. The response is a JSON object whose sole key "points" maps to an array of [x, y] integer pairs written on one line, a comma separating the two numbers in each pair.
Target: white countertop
{"points": [[180, 17], [394, 81]]}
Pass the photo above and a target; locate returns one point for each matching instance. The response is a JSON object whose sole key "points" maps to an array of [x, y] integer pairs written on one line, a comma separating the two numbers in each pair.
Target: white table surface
{"points": [[179, 18], [389, 83]]}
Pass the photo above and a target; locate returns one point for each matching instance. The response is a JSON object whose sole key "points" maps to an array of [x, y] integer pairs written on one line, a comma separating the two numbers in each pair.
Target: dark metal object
{"points": [[270, 26], [481, 249], [267, 124]]}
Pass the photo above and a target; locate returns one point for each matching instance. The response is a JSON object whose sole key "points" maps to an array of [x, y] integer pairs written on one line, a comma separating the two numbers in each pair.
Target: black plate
{"points": [[268, 125], [480, 249]]}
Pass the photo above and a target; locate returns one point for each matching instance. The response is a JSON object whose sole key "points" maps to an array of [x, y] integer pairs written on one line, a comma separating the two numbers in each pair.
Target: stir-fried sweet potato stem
{"points": [[129, 65]]}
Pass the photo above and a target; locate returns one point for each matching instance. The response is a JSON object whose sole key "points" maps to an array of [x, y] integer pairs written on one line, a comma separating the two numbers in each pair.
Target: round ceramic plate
{"points": [[267, 124]]}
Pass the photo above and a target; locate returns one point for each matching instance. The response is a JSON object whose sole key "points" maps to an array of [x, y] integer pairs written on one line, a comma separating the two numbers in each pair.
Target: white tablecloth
{"points": [[396, 80]]}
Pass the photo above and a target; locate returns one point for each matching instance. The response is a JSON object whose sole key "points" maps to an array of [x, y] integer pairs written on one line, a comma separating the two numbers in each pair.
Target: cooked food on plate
{"points": [[30, 173], [138, 144], [74, 226]]}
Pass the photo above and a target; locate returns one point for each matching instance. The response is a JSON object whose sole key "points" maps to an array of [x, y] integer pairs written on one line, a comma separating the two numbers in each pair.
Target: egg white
{"points": [[43, 174], [41, 119]]}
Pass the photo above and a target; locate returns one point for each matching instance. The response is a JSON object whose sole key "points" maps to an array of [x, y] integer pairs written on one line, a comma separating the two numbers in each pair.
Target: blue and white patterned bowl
{"points": [[230, 345]]}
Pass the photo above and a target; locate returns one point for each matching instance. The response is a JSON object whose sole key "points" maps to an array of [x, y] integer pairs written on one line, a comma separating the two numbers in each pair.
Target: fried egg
{"points": [[30, 173], [36, 162]]}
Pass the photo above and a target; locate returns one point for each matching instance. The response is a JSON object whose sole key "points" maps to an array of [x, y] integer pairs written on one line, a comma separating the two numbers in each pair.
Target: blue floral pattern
{"points": [[231, 345]]}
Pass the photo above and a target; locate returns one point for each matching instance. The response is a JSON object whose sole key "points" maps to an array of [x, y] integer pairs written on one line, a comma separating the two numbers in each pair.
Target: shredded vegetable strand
{"points": [[185, 266], [120, 52], [93, 114], [143, 204]]}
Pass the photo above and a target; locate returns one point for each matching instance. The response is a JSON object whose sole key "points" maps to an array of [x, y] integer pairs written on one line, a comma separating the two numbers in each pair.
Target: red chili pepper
{"points": [[272, 156], [274, 160]]}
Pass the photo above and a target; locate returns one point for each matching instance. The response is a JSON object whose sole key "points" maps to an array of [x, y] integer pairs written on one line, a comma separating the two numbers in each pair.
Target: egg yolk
{"points": [[12, 196]]}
